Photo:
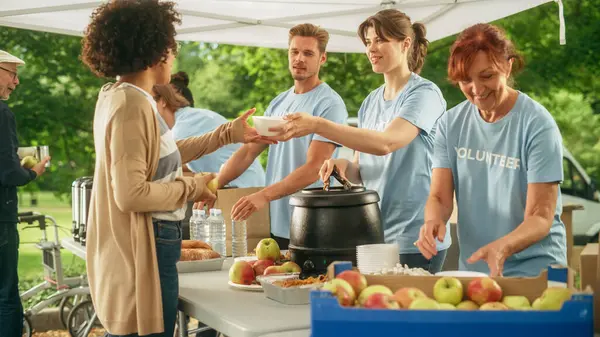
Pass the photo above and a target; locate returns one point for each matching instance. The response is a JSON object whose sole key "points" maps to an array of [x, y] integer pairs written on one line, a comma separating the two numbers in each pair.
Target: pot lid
{"points": [[335, 197]]}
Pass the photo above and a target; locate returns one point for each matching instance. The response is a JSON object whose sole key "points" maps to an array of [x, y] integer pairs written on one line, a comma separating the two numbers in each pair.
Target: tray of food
{"points": [[198, 256], [289, 288]]}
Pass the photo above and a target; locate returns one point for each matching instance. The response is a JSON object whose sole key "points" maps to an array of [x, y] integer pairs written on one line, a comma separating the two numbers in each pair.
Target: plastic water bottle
{"points": [[193, 225], [198, 227], [239, 242], [218, 235]]}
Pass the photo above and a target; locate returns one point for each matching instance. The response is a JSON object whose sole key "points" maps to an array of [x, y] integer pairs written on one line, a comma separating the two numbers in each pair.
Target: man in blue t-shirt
{"points": [[292, 165]]}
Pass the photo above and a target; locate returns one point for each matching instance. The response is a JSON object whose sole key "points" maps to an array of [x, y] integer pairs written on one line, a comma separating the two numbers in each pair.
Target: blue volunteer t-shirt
{"points": [[286, 157], [492, 165], [402, 178], [193, 122]]}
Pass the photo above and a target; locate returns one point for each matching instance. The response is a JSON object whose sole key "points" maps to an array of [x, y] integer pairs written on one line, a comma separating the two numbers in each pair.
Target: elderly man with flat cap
{"points": [[11, 176]]}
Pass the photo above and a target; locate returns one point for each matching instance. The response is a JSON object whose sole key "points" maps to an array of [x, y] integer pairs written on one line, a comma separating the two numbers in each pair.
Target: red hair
{"points": [[486, 38]]}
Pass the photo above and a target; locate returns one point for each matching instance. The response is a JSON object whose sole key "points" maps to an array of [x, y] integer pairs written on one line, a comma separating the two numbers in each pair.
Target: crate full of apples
{"points": [[352, 305]]}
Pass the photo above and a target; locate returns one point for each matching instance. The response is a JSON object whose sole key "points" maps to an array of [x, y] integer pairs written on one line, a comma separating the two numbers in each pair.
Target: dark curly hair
{"points": [[180, 81], [127, 36]]}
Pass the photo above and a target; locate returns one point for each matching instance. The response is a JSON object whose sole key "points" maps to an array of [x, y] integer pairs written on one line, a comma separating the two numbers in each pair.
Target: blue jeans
{"points": [[168, 252], [11, 309], [417, 260]]}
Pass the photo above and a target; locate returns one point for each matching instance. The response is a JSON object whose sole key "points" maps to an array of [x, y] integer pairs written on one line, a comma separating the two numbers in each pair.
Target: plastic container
{"points": [[575, 319], [292, 295], [218, 235], [263, 123], [239, 240]]}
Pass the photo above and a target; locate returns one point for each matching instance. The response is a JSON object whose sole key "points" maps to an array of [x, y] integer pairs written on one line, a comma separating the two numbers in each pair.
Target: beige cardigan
{"points": [[121, 253]]}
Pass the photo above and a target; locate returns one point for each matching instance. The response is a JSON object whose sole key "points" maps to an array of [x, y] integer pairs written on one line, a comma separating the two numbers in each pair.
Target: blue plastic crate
{"points": [[328, 318]]}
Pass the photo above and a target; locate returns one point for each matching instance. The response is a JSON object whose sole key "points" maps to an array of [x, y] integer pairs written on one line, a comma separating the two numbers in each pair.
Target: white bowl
{"points": [[262, 124], [461, 273]]}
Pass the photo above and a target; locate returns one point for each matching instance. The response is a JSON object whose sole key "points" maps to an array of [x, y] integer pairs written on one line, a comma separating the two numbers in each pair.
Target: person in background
{"points": [[190, 122], [293, 165], [140, 194], [397, 124], [12, 175], [501, 153]]}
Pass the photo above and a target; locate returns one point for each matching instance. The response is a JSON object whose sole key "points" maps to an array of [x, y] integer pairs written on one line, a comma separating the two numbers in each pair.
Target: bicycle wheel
{"points": [[80, 318], [66, 305], [27, 330]]}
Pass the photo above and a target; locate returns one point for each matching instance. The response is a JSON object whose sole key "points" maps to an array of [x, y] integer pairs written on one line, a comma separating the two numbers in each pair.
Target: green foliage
{"points": [[579, 126], [55, 102]]}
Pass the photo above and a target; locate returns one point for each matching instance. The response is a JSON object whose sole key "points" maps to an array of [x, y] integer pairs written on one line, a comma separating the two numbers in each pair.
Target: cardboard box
{"points": [[258, 225], [530, 287], [588, 265]]}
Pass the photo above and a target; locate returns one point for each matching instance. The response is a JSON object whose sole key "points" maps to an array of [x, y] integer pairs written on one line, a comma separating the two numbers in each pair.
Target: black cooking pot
{"points": [[327, 226]]}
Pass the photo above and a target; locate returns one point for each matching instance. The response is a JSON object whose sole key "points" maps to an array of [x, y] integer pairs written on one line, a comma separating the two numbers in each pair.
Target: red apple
{"points": [[405, 296], [274, 270], [380, 301], [357, 280], [260, 266], [368, 291], [342, 290], [241, 272], [484, 289], [493, 306]]}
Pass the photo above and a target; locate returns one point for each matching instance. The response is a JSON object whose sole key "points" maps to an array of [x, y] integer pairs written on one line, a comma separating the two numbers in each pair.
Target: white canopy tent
{"points": [[265, 23]]}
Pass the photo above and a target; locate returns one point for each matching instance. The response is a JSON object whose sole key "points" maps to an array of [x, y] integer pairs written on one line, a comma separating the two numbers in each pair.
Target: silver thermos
{"points": [[75, 207], [85, 193]]}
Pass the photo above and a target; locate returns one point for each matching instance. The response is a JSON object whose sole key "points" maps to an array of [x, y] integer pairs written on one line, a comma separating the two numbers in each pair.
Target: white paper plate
{"points": [[200, 265], [252, 287], [253, 257], [461, 273]]}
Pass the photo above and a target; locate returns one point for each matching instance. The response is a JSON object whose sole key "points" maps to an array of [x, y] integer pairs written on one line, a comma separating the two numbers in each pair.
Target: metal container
{"points": [[326, 226], [75, 207], [292, 295], [85, 195]]}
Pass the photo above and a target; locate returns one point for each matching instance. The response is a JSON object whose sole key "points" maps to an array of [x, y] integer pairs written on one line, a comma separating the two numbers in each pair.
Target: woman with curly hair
{"points": [[140, 193]]}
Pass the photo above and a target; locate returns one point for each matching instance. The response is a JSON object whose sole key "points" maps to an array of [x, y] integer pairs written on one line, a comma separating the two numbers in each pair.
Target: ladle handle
{"points": [[336, 174]]}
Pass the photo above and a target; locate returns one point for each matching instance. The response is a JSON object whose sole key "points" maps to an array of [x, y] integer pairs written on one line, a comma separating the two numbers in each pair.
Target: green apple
{"points": [[448, 290], [467, 305], [213, 185], [447, 306], [552, 299], [424, 303], [268, 249], [516, 302], [28, 162], [368, 291], [291, 267]]}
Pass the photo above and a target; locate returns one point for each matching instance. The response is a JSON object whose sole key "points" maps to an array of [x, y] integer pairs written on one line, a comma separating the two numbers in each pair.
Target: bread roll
{"points": [[196, 254], [195, 244]]}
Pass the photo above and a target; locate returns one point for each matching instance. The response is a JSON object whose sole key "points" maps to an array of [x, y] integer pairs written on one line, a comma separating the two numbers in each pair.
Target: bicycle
{"points": [[73, 293]]}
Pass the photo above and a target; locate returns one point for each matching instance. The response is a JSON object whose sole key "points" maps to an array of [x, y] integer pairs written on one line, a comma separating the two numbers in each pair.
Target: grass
{"points": [[30, 257]]}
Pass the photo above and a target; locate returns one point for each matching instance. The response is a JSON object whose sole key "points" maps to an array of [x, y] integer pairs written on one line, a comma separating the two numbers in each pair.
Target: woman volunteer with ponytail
{"points": [[395, 134]]}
